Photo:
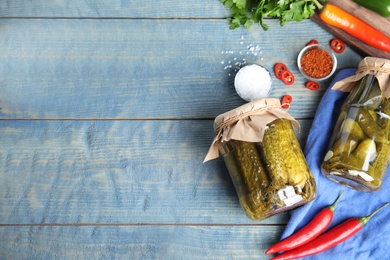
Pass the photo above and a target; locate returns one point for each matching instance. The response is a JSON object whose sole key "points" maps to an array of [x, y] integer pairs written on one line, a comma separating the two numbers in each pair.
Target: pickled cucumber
{"points": [[248, 174], [383, 121], [355, 163], [379, 164], [352, 127], [370, 126], [366, 150], [284, 159], [360, 147], [281, 160], [271, 175], [344, 145]]}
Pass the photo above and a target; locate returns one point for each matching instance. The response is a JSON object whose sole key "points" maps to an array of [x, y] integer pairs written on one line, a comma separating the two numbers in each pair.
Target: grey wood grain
{"points": [[161, 9], [137, 242], [106, 114], [137, 171], [156, 69]]}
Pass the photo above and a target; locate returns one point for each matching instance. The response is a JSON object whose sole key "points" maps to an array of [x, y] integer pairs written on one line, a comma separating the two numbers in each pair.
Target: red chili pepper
{"points": [[335, 16], [337, 45], [279, 68], [329, 239], [286, 101], [314, 41], [312, 85], [287, 77], [309, 232]]}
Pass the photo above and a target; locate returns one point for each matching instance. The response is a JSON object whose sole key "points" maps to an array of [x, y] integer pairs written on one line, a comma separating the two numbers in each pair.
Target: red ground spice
{"points": [[316, 63]]}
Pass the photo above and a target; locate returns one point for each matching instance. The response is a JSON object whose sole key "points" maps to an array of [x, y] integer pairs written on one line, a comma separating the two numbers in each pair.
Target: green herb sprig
{"points": [[248, 12]]}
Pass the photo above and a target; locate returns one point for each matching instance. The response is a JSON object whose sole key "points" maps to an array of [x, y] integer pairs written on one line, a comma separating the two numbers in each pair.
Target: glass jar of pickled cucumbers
{"points": [[359, 147], [263, 157]]}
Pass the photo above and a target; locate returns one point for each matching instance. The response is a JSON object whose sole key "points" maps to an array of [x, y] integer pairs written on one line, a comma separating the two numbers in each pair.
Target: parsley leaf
{"points": [[248, 12]]}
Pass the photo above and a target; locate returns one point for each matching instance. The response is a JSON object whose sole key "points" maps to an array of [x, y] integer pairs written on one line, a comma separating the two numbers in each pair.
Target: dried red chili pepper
{"points": [[337, 45], [329, 239], [316, 63], [287, 77], [286, 101], [279, 68], [309, 232], [312, 85]]}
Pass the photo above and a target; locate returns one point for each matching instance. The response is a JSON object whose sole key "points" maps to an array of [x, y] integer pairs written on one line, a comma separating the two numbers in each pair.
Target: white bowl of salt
{"points": [[253, 82]]}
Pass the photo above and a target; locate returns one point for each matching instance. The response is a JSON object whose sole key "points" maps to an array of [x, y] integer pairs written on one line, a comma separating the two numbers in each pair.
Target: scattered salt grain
{"points": [[252, 82], [239, 61]]}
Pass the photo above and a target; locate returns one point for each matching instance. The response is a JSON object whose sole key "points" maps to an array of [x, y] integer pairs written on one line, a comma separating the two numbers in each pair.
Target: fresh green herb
{"points": [[247, 12]]}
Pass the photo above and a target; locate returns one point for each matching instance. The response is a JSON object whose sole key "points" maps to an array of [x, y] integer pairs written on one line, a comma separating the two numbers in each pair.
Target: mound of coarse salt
{"points": [[252, 82]]}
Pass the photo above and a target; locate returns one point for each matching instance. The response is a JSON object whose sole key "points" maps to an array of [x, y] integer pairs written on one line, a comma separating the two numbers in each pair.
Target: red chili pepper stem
{"points": [[365, 219], [309, 232], [329, 239], [331, 207]]}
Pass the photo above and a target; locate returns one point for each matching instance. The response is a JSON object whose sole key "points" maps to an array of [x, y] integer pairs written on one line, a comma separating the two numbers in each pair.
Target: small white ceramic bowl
{"points": [[317, 61]]}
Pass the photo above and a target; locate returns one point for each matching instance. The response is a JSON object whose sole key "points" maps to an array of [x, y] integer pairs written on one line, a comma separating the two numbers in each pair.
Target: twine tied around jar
{"points": [[247, 123], [378, 67]]}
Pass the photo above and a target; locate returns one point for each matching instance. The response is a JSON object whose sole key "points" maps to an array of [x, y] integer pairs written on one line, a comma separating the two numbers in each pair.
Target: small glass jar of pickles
{"points": [[359, 146], [263, 157]]}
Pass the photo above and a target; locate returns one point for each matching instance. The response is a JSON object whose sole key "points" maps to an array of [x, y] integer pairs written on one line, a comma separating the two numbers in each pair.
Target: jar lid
{"points": [[247, 123], [378, 67]]}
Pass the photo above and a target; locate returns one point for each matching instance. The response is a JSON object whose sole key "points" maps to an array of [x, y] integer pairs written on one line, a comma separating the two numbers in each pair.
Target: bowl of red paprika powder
{"points": [[317, 62]]}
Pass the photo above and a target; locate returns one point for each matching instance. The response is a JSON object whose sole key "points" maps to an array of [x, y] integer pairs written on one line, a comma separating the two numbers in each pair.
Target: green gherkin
{"points": [[369, 125], [284, 158], [262, 171], [345, 144], [352, 127], [248, 175]]}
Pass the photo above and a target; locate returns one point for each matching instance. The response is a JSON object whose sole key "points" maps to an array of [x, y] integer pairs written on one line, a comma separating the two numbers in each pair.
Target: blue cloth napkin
{"points": [[373, 241]]}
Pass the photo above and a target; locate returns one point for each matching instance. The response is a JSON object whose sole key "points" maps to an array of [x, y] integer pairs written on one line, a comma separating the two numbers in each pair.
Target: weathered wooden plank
{"points": [[144, 68], [136, 242], [115, 172], [81, 189], [114, 9]]}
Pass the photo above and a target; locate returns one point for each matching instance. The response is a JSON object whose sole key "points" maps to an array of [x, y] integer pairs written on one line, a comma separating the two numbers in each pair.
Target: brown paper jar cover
{"points": [[378, 67]]}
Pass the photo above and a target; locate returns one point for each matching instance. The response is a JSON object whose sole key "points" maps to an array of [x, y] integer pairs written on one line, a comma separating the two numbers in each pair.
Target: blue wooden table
{"points": [[107, 111]]}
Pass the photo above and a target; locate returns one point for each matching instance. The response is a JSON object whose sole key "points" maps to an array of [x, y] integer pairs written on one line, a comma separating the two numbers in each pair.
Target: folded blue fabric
{"points": [[373, 241]]}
